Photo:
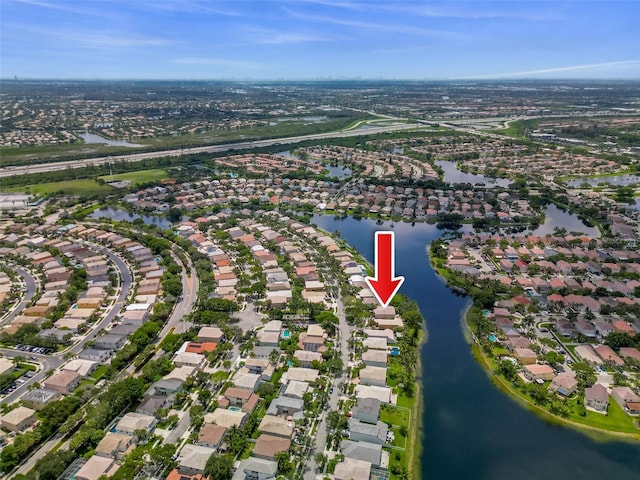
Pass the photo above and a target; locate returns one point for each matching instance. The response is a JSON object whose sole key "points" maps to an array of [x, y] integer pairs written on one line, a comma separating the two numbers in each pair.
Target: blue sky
{"points": [[190, 39]]}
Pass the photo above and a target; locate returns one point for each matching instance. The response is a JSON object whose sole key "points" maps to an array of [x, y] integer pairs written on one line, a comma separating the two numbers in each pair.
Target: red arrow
{"points": [[384, 285]]}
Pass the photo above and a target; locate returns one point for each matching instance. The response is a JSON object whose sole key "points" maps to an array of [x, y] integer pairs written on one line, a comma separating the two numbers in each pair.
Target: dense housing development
{"points": [[192, 307]]}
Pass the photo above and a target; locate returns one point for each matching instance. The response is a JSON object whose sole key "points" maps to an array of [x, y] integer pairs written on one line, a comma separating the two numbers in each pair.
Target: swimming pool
{"points": [[234, 409], [286, 334], [492, 338]]}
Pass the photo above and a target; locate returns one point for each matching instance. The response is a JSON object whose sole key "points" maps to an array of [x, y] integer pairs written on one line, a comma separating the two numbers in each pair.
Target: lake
{"points": [[453, 175], [93, 138], [473, 431], [124, 216]]}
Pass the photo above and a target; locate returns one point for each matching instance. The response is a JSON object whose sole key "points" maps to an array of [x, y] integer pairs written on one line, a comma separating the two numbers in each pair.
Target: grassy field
{"points": [[83, 186], [136, 178], [516, 129]]}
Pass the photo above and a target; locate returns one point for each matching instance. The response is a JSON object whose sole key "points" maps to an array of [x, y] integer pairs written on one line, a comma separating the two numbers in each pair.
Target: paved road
{"points": [[321, 431], [30, 291], [183, 307], [136, 157]]}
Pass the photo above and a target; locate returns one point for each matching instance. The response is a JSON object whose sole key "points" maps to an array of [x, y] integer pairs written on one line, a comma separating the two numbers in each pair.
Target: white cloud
{"points": [[261, 36], [571, 68], [219, 62], [380, 27]]}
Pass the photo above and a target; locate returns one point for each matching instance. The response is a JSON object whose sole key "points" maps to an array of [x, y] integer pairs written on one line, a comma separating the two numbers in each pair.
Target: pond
{"points": [[93, 138], [556, 218], [339, 171], [616, 180], [453, 175], [123, 216]]}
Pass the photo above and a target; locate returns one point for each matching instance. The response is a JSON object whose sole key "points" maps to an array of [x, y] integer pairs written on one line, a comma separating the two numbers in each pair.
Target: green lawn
{"points": [[406, 402], [615, 420], [399, 440], [395, 416], [99, 372], [83, 186], [396, 457], [142, 176]]}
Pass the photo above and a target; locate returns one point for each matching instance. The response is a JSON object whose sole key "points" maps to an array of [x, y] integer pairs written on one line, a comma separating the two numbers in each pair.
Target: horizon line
{"points": [[345, 79]]}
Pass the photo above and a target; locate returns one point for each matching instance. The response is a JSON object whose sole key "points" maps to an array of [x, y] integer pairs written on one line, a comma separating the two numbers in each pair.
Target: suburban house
{"points": [[114, 445], [249, 381], [525, 356], [365, 451], [368, 432], [285, 406], [133, 421], [564, 385], [39, 398], [96, 467], [538, 372], [110, 342], [352, 469], [596, 398], [193, 459], [367, 410], [376, 376], [608, 356], [276, 426], [211, 435], [375, 358], [64, 381], [305, 357], [18, 419], [256, 469], [210, 334], [226, 418], [624, 396], [587, 354], [267, 446]]}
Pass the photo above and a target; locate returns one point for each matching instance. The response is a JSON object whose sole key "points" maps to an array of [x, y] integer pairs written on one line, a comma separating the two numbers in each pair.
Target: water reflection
{"points": [[617, 180], [453, 175], [124, 216], [93, 138]]}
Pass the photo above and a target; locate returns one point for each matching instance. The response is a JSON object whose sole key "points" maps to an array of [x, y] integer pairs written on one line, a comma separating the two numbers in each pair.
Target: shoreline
{"points": [[595, 433], [416, 429], [417, 434]]}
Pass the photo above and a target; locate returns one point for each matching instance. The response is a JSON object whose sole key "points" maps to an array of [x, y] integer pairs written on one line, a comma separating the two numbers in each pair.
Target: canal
{"points": [[472, 430]]}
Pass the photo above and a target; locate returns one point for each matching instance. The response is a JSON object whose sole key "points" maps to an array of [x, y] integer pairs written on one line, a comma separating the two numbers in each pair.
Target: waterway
{"points": [[124, 216], [93, 138], [473, 431], [453, 175]]}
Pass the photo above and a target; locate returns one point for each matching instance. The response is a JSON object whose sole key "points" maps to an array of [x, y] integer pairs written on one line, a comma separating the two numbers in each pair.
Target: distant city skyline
{"points": [[318, 39]]}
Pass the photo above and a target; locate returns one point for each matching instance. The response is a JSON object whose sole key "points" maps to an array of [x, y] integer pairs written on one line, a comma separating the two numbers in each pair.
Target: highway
{"points": [[136, 157]]}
